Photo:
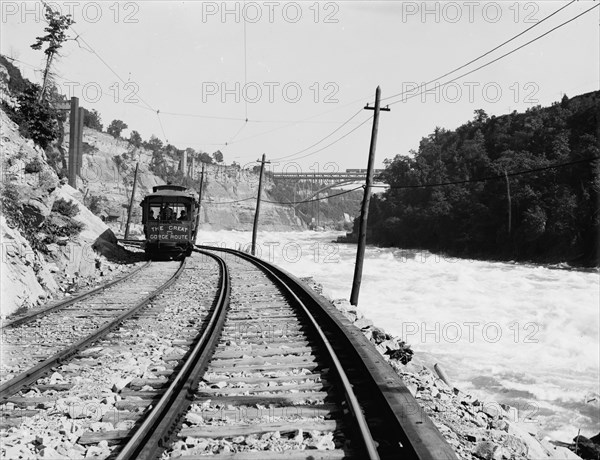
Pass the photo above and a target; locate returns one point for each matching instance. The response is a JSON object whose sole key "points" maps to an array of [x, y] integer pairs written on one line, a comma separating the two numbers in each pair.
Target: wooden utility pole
{"points": [[364, 211], [257, 212], [73, 140], [79, 151], [199, 198], [509, 202], [131, 201], [201, 185]]}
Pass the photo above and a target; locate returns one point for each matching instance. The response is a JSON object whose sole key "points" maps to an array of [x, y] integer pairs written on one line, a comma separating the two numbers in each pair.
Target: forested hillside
{"points": [[548, 215]]}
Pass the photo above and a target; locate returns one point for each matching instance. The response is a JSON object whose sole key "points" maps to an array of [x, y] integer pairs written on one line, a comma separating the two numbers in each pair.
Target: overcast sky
{"points": [[297, 71]]}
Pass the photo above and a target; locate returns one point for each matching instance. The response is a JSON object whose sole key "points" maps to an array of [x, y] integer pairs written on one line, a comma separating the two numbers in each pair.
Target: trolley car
{"points": [[170, 215]]}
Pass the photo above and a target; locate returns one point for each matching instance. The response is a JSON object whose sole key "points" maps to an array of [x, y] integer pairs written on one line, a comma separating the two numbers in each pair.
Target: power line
{"points": [[93, 51], [316, 199], [488, 178], [217, 117], [67, 79], [486, 53], [161, 126], [321, 140], [458, 68], [334, 142], [230, 202], [237, 133], [286, 203], [501, 57]]}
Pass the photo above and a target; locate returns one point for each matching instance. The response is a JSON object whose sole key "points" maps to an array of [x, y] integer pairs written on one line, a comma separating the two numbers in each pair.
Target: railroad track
{"points": [[35, 342], [257, 368], [278, 374]]}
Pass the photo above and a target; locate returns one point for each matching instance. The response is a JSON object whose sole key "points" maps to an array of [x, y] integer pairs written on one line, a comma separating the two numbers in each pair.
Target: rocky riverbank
{"points": [[52, 245], [475, 429]]}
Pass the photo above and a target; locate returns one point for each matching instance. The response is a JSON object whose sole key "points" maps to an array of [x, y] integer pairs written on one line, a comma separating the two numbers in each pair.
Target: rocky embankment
{"points": [[475, 429], [107, 178], [52, 244]]}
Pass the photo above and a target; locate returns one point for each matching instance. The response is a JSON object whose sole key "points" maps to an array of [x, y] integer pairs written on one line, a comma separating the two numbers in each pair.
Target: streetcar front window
{"points": [[173, 211]]}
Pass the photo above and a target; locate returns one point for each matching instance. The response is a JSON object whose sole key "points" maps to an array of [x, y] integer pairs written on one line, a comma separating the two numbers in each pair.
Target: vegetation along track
{"points": [[278, 373], [33, 343]]}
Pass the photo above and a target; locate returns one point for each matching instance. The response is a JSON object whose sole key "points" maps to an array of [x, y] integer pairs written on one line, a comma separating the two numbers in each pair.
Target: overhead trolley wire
{"points": [[161, 126], [93, 51]]}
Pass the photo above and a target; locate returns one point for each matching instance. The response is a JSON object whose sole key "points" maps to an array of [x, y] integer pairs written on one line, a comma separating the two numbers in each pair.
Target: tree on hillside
{"points": [[56, 35], [36, 120], [205, 158], [92, 119], [542, 215], [135, 139], [116, 127], [218, 156], [154, 144]]}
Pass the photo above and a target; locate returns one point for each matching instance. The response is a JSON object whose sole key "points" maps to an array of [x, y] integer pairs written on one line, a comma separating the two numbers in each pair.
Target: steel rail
{"points": [[160, 423], [351, 399], [71, 300], [418, 435], [32, 374]]}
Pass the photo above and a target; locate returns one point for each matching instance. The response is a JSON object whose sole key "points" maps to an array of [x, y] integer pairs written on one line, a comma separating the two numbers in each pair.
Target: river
{"points": [[520, 334]]}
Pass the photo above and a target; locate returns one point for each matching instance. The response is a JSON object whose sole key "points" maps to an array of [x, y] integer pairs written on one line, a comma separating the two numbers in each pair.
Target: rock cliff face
{"points": [[45, 252], [227, 201]]}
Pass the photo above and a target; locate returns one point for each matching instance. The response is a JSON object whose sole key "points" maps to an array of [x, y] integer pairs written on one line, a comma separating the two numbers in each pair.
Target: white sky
{"points": [[181, 55]]}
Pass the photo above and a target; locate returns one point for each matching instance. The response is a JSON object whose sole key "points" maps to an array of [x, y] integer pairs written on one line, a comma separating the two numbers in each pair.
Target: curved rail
{"points": [[160, 422], [418, 435], [351, 399], [31, 375], [66, 302]]}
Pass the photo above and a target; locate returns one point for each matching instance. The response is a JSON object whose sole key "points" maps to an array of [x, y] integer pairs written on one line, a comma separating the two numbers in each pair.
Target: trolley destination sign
{"points": [[169, 232]]}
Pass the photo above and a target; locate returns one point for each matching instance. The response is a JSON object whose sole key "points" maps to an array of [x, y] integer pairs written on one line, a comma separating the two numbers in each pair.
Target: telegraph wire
{"points": [[458, 68], [285, 203], [316, 199], [93, 51], [486, 53], [334, 142], [321, 140], [498, 58], [489, 178], [237, 133], [161, 126], [389, 97], [70, 80]]}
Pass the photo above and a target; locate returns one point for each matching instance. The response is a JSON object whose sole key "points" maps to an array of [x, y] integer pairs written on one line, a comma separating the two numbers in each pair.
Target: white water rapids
{"points": [[519, 334]]}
